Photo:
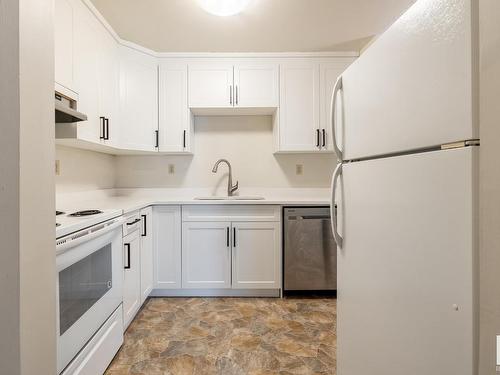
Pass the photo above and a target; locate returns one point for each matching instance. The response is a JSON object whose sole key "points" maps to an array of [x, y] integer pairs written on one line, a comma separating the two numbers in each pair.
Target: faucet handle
{"points": [[234, 187]]}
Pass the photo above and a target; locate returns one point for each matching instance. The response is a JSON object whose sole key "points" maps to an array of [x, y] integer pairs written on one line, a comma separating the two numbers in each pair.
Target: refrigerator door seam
{"points": [[446, 146]]}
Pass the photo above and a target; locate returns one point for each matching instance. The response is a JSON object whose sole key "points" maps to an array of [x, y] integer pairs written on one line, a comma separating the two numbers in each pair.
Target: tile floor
{"points": [[233, 336]]}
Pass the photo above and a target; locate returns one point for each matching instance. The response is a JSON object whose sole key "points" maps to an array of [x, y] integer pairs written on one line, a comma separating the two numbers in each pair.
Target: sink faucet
{"points": [[230, 188]]}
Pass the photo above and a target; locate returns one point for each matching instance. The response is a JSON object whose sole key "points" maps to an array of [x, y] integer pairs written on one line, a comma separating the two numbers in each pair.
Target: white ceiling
{"points": [[265, 26]]}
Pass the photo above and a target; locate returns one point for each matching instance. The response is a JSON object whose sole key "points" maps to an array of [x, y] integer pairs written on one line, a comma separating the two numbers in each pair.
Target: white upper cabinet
{"points": [[63, 40], [299, 117], [175, 119], [256, 85], [306, 86], [329, 72], [108, 73], [138, 100], [226, 87], [211, 85], [87, 63], [86, 57]]}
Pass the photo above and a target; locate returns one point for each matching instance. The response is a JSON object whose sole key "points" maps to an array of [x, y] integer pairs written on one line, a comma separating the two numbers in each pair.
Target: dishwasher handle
{"points": [[309, 217]]}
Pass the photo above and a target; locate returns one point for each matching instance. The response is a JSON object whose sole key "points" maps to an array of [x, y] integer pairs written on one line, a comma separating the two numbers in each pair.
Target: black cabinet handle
{"points": [[227, 236], [234, 237], [144, 232], [324, 137], [106, 120], [103, 130], [317, 137], [127, 266], [157, 139], [133, 222], [184, 139]]}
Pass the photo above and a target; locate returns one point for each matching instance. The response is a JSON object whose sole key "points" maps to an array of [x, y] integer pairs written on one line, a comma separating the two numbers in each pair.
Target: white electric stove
{"points": [[89, 260], [69, 221]]}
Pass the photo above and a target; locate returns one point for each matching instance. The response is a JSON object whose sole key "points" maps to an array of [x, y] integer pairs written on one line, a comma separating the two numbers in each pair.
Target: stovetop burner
{"points": [[86, 213], [59, 213], [58, 224]]}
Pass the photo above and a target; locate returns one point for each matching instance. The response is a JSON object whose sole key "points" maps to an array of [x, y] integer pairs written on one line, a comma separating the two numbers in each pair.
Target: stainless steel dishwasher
{"points": [[310, 252]]}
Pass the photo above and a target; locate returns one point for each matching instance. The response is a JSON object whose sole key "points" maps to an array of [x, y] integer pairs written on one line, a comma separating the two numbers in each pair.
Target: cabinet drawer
{"points": [[96, 356], [132, 223], [230, 213]]}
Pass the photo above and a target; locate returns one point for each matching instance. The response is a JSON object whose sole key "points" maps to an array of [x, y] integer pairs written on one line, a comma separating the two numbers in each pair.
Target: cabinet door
{"points": [[299, 126], [329, 72], [256, 85], [206, 255], [175, 117], [108, 69], [138, 100], [63, 43], [146, 253], [256, 255], [86, 75], [167, 247], [131, 277], [210, 85]]}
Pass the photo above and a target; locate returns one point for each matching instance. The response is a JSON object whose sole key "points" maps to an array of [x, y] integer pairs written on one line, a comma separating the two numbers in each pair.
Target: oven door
{"points": [[89, 289]]}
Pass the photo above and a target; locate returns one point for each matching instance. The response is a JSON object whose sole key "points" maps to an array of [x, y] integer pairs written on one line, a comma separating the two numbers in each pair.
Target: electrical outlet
{"points": [[171, 168], [58, 167], [299, 169]]}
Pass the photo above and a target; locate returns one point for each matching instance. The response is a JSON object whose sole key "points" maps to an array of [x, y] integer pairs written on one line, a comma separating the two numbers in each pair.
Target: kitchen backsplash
{"points": [[246, 141]]}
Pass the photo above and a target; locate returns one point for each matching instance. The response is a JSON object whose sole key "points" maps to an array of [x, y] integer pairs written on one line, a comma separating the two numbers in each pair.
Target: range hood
{"points": [[66, 110]]}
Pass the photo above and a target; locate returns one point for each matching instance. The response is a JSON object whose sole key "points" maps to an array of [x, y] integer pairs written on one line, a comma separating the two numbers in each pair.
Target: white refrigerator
{"points": [[404, 120]]}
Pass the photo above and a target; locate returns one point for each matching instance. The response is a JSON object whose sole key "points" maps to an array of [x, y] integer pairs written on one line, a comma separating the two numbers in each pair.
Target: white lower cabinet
{"points": [[216, 250], [231, 247], [206, 255], [256, 255], [131, 277], [167, 251], [146, 252]]}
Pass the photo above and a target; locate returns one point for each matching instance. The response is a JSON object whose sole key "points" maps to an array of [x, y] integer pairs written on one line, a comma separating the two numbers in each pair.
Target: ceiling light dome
{"points": [[224, 8]]}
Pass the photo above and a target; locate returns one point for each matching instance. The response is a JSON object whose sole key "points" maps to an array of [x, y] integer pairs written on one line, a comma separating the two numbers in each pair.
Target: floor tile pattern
{"points": [[230, 336]]}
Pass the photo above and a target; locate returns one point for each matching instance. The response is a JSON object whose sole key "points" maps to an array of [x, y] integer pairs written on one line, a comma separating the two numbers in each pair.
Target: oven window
{"points": [[82, 284]]}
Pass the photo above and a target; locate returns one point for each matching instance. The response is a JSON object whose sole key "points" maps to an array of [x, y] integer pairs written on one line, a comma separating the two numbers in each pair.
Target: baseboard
{"points": [[215, 293]]}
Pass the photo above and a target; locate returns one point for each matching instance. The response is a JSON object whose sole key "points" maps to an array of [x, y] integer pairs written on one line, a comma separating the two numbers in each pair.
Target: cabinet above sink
{"points": [[227, 88]]}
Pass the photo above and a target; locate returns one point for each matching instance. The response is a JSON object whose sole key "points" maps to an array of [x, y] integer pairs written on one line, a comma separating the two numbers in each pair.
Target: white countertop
{"points": [[129, 200]]}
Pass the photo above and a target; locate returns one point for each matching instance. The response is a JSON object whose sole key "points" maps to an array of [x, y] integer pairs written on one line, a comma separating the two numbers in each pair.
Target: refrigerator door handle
{"points": [[333, 116], [333, 211]]}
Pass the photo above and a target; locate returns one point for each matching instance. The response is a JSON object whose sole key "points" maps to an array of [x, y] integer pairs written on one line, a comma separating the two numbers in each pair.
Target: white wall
{"points": [[82, 170], [246, 141], [27, 257], [489, 184], [37, 198], [9, 189]]}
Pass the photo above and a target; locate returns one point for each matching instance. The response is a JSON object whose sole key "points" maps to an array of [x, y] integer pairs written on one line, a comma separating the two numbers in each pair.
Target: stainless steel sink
{"points": [[232, 198]]}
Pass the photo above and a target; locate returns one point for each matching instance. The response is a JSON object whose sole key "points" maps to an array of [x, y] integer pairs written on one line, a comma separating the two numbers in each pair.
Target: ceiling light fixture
{"points": [[224, 8]]}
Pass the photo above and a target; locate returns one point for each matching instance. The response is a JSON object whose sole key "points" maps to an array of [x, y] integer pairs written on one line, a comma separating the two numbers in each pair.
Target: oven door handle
{"points": [[75, 239]]}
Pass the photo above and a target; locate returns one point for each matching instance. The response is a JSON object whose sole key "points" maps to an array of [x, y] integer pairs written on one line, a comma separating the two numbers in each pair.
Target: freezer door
{"points": [[412, 88], [406, 270]]}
